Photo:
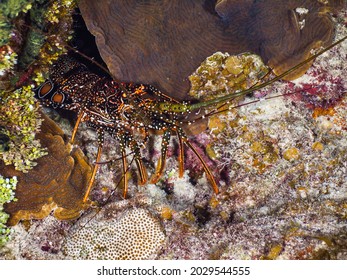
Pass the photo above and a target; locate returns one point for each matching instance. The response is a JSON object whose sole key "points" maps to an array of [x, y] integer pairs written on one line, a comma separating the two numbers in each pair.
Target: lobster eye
{"points": [[58, 98], [45, 89]]}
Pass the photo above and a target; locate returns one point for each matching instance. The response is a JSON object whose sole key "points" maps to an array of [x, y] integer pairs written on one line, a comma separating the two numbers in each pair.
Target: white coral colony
{"points": [[136, 235]]}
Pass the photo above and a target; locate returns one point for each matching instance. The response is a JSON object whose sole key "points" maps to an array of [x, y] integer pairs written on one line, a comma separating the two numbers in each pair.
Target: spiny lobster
{"points": [[126, 111], [129, 112]]}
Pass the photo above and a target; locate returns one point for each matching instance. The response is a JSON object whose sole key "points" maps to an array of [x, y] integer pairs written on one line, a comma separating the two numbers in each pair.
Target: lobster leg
{"points": [[95, 169], [96, 166], [142, 170], [180, 155], [208, 172], [79, 119], [125, 171], [161, 162]]}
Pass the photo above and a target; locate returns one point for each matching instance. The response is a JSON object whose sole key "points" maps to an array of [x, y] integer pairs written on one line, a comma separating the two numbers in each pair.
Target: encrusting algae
{"points": [[222, 73]]}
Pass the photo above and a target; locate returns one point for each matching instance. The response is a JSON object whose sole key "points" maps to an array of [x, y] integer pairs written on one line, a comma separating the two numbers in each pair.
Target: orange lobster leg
{"points": [[180, 155], [79, 119], [142, 171], [141, 168], [95, 169], [204, 165], [162, 160], [125, 171]]}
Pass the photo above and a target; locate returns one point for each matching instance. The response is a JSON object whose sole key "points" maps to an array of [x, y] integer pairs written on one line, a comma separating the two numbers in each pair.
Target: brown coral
{"points": [[289, 30], [162, 42], [56, 183]]}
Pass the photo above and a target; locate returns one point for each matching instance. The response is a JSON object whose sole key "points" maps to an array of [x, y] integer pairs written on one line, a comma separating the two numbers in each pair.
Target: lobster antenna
{"points": [[219, 109], [187, 107], [212, 113], [90, 59], [244, 92]]}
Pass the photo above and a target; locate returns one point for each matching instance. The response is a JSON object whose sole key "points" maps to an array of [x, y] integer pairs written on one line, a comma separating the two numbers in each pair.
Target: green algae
{"points": [[19, 115], [7, 187], [10, 9], [33, 34], [8, 61]]}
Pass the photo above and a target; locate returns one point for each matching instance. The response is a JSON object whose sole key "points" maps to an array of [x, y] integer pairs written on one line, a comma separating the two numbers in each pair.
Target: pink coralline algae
{"points": [[324, 91], [324, 85]]}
